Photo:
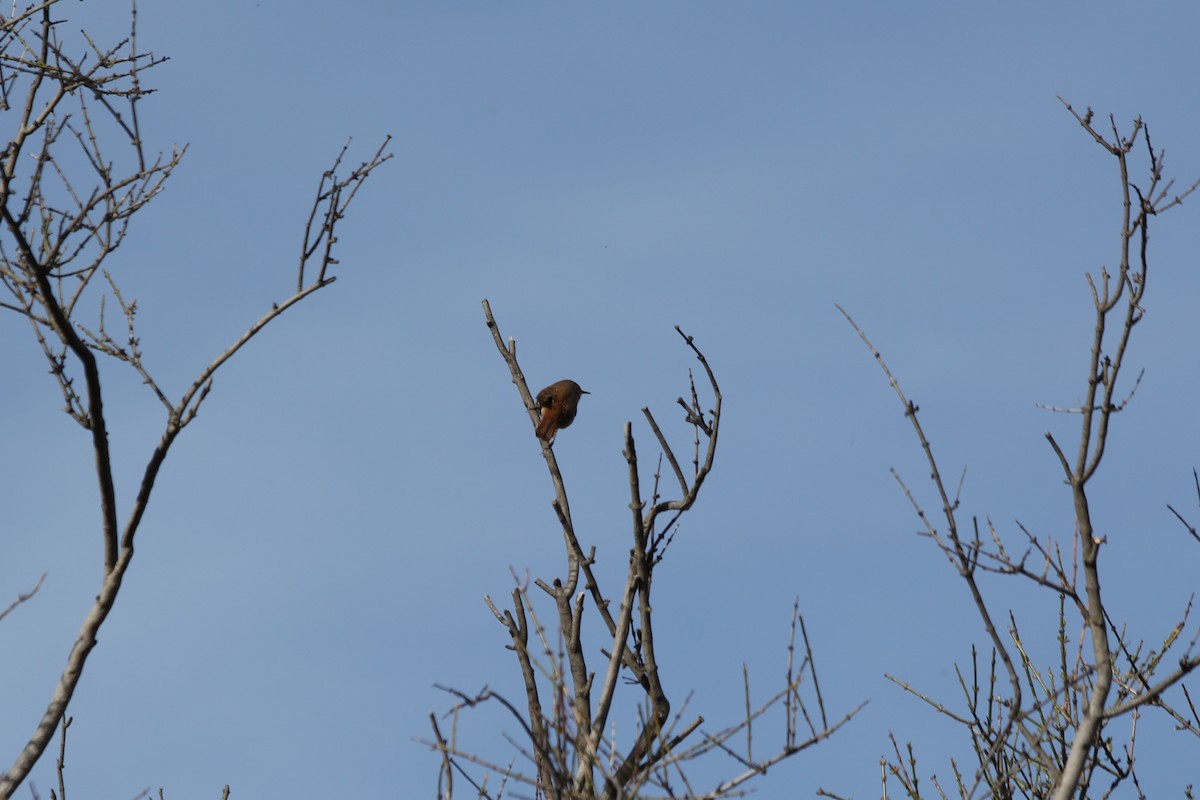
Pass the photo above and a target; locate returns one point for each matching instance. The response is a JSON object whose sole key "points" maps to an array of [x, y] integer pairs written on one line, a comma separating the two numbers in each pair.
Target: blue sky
{"points": [[321, 538]]}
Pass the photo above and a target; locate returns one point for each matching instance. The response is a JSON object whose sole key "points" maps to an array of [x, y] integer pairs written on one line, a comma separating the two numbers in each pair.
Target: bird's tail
{"points": [[548, 426]]}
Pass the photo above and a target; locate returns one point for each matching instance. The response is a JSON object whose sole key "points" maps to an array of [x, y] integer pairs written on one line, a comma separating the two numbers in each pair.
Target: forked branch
{"points": [[58, 224]]}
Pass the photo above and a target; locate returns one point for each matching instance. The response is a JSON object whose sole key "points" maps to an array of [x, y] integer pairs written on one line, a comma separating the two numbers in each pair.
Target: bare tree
{"points": [[1049, 730], [67, 197], [570, 709]]}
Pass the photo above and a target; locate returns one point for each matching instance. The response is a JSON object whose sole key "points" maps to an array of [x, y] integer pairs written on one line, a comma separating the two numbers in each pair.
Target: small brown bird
{"points": [[558, 403]]}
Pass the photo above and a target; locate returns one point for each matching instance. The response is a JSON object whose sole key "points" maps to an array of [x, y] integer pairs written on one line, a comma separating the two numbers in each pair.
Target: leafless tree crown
{"points": [[568, 721], [73, 173], [1051, 731]]}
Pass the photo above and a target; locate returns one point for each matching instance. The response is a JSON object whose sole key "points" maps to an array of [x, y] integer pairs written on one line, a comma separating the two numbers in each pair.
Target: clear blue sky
{"points": [[321, 538]]}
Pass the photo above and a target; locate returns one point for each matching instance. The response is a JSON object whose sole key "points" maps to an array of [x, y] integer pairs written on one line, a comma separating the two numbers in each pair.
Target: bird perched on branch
{"points": [[558, 403]]}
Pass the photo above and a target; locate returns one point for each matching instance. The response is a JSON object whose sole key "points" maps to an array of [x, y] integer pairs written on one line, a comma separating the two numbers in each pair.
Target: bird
{"points": [[558, 403]]}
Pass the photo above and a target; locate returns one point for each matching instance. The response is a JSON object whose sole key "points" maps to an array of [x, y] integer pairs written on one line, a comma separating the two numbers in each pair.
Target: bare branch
{"points": [[567, 743], [23, 597], [1056, 742], [59, 223]]}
